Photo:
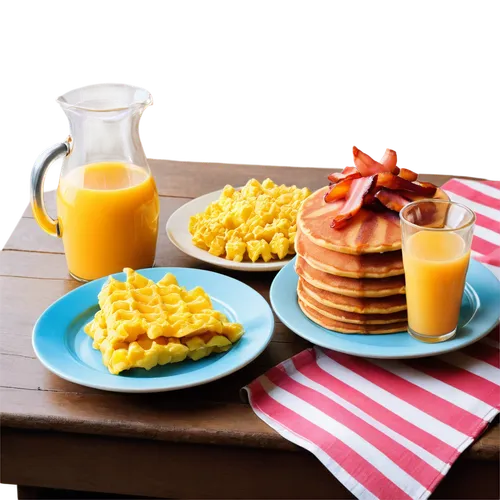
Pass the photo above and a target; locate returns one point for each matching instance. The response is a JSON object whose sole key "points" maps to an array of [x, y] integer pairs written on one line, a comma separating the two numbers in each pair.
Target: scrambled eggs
{"points": [[142, 324], [260, 221]]}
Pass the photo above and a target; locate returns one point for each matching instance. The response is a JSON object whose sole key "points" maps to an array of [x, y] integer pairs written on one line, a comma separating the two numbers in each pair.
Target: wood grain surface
{"points": [[82, 428]]}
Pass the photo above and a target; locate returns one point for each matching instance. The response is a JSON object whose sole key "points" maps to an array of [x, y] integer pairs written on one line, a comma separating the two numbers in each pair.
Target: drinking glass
{"points": [[437, 236]]}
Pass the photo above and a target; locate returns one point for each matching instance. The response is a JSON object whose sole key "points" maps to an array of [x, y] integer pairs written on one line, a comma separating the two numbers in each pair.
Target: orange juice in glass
{"points": [[107, 202], [437, 237]]}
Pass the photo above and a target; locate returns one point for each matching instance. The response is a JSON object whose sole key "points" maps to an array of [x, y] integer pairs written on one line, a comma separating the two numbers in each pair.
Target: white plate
{"points": [[178, 232]]}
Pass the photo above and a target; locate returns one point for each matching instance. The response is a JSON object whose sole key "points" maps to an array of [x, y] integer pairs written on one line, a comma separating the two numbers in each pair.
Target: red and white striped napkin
{"points": [[392, 429], [484, 199]]}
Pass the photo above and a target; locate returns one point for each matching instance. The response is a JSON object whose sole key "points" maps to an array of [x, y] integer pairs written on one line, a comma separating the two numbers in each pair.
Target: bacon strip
{"points": [[354, 200], [339, 190], [408, 175], [391, 199], [369, 197], [395, 183], [367, 166], [347, 173], [411, 196], [390, 160], [375, 205], [427, 185]]}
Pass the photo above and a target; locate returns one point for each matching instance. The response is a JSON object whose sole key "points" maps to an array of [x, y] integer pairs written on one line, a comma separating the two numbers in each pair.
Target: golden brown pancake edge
{"points": [[341, 327], [366, 232], [350, 317], [371, 265], [361, 305], [352, 287]]}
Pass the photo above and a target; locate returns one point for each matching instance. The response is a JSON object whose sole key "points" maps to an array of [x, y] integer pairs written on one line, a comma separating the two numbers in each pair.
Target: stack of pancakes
{"points": [[351, 280]]}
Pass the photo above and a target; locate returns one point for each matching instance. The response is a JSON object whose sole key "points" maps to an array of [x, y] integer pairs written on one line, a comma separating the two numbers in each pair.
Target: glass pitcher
{"points": [[107, 202]]}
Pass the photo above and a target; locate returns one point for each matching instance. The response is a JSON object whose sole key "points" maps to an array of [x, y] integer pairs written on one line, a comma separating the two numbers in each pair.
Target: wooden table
{"points": [[196, 443]]}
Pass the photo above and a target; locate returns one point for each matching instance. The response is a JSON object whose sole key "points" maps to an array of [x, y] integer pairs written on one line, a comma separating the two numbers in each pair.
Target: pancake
{"points": [[361, 305], [367, 232], [350, 317], [342, 327], [364, 287], [371, 265]]}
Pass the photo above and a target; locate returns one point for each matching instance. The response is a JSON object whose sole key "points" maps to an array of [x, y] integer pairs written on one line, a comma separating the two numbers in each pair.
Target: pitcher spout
{"points": [[104, 124], [105, 97]]}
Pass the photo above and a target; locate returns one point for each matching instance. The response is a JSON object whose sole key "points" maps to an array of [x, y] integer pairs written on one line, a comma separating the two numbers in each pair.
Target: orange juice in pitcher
{"points": [[109, 218], [107, 202]]}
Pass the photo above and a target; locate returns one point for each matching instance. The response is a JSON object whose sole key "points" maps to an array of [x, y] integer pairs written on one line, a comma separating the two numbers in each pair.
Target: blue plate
{"points": [[479, 314], [63, 347]]}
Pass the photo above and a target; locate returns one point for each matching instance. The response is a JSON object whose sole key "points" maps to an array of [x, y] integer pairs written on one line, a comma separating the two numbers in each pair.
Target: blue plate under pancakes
{"points": [[478, 315]]}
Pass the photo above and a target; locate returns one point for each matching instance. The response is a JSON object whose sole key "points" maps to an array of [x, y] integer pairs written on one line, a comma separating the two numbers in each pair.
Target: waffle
{"points": [[142, 323]]}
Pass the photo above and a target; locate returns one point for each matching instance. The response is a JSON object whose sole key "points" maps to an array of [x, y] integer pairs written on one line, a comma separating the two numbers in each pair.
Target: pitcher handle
{"points": [[46, 222]]}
